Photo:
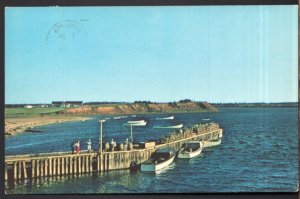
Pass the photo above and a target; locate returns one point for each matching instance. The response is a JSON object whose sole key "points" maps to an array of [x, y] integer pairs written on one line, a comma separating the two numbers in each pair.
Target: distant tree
{"points": [[185, 101]]}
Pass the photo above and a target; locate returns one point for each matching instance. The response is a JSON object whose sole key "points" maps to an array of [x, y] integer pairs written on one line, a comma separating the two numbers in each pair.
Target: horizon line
{"points": [[147, 101]]}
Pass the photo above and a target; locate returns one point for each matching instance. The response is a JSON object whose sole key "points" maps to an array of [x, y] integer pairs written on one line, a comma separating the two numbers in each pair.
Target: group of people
{"points": [[76, 146], [113, 144]]}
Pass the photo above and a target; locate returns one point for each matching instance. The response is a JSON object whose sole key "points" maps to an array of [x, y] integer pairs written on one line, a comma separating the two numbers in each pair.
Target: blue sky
{"points": [[204, 53]]}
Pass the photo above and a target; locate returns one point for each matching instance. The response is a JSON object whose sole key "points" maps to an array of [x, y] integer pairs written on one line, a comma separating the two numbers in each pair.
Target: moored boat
{"points": [[136, 121], [191, 149], [211, 143], [166, 118], [159, 160], [169, 127], [144, 123]]}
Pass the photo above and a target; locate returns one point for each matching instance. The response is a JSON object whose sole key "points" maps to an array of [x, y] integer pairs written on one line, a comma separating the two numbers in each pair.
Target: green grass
{"points": [[16, 112]]}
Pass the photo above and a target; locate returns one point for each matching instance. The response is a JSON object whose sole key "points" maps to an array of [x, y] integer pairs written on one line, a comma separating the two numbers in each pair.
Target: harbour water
{"points": [[259, 153]]}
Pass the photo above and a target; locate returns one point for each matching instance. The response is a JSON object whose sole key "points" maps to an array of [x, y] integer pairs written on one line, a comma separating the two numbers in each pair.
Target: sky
{"points": [[160, 54]]}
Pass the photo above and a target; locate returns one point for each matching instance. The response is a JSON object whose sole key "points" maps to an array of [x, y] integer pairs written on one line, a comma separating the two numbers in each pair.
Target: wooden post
{"points": [[19, 169], [58, 166], [75, 164], [24, 169], [42, 168], [50, 166], [106, 162], [46, 167], [37, 168], [15, 170], [71, 165], [6, 176], [79, 164], [101, 163], [54, 166], [63, 165], [67, 165], [33, 174], [84, 168], [91, 163], [98, 162]]}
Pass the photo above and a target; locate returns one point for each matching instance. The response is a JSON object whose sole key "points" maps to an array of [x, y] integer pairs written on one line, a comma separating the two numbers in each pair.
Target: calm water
{"points": [[259, 152]]}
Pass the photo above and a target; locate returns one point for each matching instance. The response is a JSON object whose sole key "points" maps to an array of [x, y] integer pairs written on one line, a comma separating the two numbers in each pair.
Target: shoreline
{"points": [[17, 125]]}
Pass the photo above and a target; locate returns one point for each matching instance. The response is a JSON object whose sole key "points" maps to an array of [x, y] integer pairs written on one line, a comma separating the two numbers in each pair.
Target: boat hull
{"points": [[169, 127], [211, 143], [156, 167], [166, 118], [136, 124], [188, 155]]}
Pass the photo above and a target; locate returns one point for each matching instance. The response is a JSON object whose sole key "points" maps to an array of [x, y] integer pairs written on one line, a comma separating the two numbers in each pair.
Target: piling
{"points": [[24, 169], [79, 164], [63, 166], [91, 163], [58, 167], [42, 167], [71, 165], [46, 167], [54, 166]]}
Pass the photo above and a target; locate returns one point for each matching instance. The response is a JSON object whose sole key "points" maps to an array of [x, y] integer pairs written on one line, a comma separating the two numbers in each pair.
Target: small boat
{"points": [[169, 127], [136, 121], [116, 118], [33, 131], [133, 116], [136, 124], [205, 119], [166, 118], [159, 160], [211, 143], [191, 149]]}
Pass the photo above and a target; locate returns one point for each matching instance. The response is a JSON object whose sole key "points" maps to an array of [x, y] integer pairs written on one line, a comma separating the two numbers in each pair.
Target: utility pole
{"points": [[100, 138], [131, 133]]}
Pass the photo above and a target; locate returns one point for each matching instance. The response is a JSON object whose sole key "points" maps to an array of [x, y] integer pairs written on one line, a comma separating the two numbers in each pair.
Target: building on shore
{"points": [[67, 103]]}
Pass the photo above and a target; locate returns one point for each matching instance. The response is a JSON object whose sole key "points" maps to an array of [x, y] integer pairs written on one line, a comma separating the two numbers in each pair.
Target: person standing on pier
{"points": [[112, 143], [89, 145], [78, 147]]}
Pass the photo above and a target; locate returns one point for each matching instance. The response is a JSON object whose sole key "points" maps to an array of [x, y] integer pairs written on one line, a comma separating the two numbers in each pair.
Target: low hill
{"points": [[143, 108]]}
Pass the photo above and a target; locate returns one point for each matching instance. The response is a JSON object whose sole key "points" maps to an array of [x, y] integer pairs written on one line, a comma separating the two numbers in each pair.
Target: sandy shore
{"points": [[19, 125]]}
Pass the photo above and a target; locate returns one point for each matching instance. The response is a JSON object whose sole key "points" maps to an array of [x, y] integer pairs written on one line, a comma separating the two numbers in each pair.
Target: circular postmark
{"points": [[64, 34]]}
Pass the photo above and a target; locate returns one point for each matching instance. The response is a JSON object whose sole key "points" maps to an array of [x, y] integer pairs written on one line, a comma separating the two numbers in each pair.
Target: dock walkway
{"points": [[19, 167]]}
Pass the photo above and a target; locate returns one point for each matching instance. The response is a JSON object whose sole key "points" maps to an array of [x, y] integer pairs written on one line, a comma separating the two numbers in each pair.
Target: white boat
{"points": [[159, 160], [169, 127], [136, 124], [116, 118], [205, 119], [211, 143], [191, 149], [137, 121], [166, 118]]}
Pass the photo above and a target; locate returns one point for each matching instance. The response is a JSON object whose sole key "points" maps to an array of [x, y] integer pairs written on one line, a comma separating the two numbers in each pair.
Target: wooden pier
{"points": [[20, 167]]}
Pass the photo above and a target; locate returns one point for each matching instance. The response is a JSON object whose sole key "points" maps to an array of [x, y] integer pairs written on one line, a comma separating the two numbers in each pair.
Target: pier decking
{"points": [[19, 167]]}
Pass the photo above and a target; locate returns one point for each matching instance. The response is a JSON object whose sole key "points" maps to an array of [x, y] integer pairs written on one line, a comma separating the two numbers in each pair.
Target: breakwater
{"points": [[20, 167]]}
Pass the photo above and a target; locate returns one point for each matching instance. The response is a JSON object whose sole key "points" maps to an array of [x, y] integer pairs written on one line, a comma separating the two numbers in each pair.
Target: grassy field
{"points": [[19, 112]]}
